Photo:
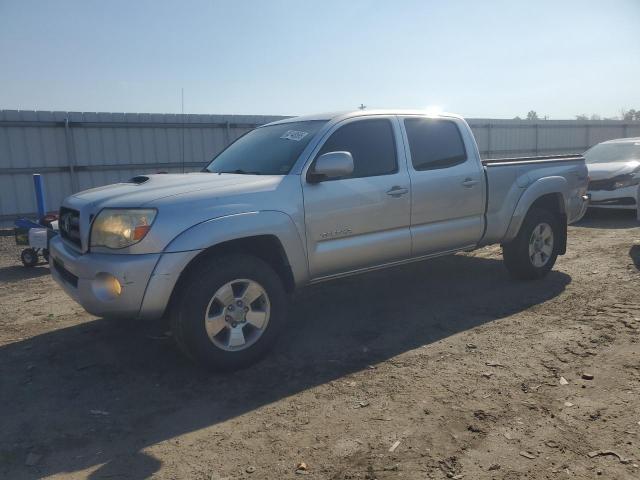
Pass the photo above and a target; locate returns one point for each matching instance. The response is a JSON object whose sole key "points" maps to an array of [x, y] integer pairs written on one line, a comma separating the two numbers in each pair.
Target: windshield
{"points": [[613, 152], [270, 150]]}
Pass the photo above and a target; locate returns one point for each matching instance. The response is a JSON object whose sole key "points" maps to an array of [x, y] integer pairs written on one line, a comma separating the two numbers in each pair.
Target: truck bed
{"points": [[508, 179]]}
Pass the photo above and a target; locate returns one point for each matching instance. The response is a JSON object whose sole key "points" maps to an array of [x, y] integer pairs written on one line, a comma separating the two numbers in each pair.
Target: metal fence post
{"points": [[489, 146], [535, 129], [71, 156]]}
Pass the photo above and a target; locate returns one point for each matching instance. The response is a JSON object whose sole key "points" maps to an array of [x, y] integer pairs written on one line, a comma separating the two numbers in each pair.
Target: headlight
{"points": [[120, 228], [626, 181]]}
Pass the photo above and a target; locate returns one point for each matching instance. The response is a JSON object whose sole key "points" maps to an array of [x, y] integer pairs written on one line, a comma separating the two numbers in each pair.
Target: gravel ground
{"points": [[442, 369]]}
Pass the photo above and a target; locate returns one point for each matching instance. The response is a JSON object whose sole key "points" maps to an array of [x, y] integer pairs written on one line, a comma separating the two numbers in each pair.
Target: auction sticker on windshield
{"points": [[294, 135]]}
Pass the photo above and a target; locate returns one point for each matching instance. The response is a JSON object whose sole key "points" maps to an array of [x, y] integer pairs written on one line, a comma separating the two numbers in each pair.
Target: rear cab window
{"points": [[434, 143], [371, 143]]}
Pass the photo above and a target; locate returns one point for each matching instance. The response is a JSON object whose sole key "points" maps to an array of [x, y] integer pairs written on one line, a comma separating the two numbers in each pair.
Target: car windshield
{"points": [[613, 152], [270, 150]]}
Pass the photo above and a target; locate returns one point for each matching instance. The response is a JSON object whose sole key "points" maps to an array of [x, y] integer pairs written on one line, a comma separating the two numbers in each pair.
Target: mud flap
{"points": [[562, 244]]}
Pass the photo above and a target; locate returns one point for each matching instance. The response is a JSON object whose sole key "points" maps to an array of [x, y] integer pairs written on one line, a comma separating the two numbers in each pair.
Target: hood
{"points": [[602, 171], [185, 200], [147, 190]]}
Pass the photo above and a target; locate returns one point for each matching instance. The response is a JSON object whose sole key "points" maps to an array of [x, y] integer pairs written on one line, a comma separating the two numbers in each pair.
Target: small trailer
{"points": [[36, 237]]}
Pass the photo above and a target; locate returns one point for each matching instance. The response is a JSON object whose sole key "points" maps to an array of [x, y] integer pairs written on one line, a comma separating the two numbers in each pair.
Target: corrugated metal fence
{"points": [[76, 151], [514, 138]]}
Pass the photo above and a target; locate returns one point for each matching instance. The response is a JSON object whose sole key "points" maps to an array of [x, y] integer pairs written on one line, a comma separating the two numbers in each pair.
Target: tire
{"points": [[517, 253], [205, 291], [45, 254], [29, 257]]}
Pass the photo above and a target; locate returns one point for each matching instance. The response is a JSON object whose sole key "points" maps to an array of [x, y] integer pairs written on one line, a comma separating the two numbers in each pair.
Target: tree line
{"points": [[626, 115]]}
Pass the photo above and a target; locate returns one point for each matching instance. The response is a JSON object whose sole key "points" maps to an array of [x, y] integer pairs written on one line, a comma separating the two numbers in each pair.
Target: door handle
{"points": [[469, 182], [397, 191]]}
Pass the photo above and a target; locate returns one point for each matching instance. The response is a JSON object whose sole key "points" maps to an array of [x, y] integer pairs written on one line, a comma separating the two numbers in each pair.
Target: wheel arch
{"points": [[269, 235], [547, 194], [267, 248]]}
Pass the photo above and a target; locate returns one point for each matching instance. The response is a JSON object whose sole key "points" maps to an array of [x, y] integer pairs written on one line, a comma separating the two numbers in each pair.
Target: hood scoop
{"points": [[139, 179]]}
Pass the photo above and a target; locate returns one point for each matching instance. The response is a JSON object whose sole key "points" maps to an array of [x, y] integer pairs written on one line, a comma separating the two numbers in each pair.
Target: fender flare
{"points": [[244, 225], [539, 188]]}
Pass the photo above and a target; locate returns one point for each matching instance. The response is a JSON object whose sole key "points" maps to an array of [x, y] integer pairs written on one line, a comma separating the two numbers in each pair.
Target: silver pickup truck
{"points": [[301, 201]]}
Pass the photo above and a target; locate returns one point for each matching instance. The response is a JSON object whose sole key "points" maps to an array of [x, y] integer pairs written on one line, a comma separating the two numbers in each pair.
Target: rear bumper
{"points": [[147, 280]]}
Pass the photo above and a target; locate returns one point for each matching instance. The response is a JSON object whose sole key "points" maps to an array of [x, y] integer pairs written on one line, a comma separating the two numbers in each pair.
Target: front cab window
{"points": [[371, 144]]}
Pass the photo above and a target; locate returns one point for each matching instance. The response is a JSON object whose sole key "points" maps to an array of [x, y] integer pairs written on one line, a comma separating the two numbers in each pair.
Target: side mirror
{"points": [[331, 165]]}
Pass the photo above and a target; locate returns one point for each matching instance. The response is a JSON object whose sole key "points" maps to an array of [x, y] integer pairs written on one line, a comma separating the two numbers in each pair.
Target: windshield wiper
{"points": [[240, 172]]}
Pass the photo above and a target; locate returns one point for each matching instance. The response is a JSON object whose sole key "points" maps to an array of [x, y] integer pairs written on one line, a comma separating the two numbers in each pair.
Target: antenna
{"points": [[182, 119]]}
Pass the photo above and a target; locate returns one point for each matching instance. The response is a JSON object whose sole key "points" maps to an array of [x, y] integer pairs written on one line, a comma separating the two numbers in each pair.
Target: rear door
{"points": [[447, 185], [362, 220]]}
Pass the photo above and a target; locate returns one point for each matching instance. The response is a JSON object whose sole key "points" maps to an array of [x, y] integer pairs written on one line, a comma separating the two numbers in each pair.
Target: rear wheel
{"points": [[534, 251], [229, 311]]}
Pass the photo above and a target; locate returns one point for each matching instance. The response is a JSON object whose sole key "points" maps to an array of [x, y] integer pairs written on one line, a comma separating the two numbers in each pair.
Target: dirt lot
{"points": [[459, 368]]}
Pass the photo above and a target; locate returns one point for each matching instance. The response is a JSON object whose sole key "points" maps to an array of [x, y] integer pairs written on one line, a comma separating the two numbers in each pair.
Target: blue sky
{"points": [[486, 58]]}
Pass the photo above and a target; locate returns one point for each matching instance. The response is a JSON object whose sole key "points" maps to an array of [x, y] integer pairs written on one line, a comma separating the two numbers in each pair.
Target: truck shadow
{"points": [[611, 219], [16, 273], [100, 392], [634, 253]]}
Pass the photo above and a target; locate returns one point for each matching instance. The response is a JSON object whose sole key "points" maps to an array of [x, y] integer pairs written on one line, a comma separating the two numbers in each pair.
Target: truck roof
{"points": [[341, 115]]}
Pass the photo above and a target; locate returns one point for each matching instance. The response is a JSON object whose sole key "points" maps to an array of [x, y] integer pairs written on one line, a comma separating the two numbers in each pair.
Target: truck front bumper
{"points": [[145, 281]]}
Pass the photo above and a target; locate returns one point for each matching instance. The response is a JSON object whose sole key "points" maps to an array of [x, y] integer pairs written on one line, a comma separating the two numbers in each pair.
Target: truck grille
{"points": [[69, 226]]}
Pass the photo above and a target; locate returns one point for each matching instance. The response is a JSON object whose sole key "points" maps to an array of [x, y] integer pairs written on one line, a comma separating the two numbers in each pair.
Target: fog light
{"points": [[106, 286]]}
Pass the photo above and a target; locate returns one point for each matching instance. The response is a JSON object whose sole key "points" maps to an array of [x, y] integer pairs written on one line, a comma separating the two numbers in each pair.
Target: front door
{"points": [[362, 220]]}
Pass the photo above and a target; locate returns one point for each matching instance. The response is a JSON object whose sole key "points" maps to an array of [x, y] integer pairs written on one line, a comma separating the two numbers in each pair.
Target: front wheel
{"points": [[229, 311], [534, 251], [29, 257]]}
